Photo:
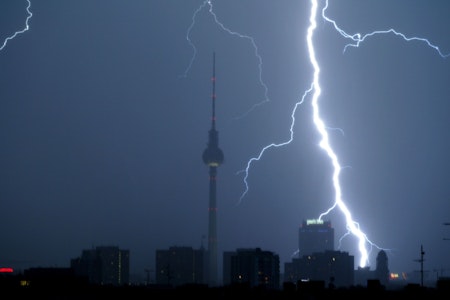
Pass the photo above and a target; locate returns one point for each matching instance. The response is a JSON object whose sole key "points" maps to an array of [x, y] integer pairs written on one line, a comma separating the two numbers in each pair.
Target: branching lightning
{"points": [[20, 31], [233, 33], [359, 38], [273, 145], [314, 91], [352, 226]]}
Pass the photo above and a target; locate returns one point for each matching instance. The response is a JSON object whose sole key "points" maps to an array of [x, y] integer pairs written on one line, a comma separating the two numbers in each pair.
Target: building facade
{"points": [[334, 268], [178, 266], [104, 265], [382, 269], [254, 267], [315, 236]]}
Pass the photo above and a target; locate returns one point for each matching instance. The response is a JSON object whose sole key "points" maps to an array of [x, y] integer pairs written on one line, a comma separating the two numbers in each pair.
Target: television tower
{"points": [[213, 157]]}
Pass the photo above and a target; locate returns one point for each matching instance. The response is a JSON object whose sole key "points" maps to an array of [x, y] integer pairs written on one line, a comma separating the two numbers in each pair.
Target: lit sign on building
{"points": [[314, 221], [6, 270]]}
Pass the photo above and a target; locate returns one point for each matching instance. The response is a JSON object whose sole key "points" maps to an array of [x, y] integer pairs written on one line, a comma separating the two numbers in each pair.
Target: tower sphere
{"points": [[213, 156]]}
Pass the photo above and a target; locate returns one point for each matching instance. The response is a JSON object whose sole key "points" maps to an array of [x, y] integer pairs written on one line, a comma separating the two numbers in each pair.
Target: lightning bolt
{"points": [[315, 90], [20, 31], [359, 38], [233, 33], [273, 145], [352, 226]]}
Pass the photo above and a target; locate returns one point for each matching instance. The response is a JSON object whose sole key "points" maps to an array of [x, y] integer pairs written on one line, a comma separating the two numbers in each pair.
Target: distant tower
{"points": [[382, 269], [213, 157]]}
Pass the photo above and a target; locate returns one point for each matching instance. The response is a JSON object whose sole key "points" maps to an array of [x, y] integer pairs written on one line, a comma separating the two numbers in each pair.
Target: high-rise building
{"points": [[105, 265], [180, 266], [334, 268], [315, 236], [213, 157], [253, 267], [382, 268]]}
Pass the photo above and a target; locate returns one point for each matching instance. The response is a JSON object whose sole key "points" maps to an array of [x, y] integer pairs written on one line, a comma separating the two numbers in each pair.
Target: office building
{"points": [[105, 265], [178, 266], [334, 268], [252, 267], [315, 236]]}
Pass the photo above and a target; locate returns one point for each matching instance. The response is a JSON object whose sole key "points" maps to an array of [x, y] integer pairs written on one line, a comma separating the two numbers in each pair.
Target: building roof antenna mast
{"points": [[421, 260]]}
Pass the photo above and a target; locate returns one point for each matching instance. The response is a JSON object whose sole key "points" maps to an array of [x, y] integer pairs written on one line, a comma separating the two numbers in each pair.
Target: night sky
{"points": [[105, 108]]}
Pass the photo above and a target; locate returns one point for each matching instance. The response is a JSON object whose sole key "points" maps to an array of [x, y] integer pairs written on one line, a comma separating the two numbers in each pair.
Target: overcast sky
{"points": [[105, 109]]}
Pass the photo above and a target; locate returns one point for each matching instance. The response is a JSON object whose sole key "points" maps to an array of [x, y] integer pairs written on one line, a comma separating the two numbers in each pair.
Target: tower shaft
{"points": [[213, 157], [212, 228]]}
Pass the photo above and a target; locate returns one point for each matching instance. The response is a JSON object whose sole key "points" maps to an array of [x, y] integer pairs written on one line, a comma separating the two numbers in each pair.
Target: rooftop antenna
{"points": [[421, 260]]}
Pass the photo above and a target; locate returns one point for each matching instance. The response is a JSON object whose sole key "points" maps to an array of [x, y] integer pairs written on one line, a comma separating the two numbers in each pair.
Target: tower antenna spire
{"points": [[213, 96]]}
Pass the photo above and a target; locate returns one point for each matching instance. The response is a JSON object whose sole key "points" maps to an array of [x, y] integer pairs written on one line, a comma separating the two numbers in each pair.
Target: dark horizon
{"points": [[423, 277], [62, 281]]}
